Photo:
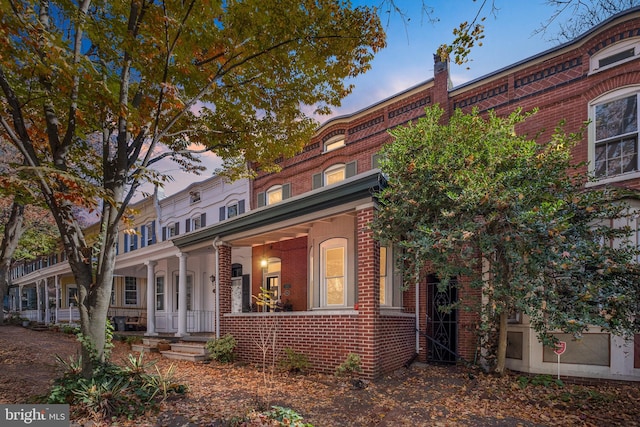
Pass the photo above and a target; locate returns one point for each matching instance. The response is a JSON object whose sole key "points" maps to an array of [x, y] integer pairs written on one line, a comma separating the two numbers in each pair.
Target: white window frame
{"points": [[341, 167], [386, 290], [171, 231], [196, 222], [607, 98], [160, 295], [149, 231], [189, 291], [232, 210], [273, 195], [71, 299], [334, 143], [609, 51], [194, 196], [126, 291], [330, 245]]}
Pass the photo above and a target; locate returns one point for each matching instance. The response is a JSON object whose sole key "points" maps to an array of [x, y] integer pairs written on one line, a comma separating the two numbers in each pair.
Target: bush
{"points": [[294, 361], [113, 391], [221, 350], [350, 366]]}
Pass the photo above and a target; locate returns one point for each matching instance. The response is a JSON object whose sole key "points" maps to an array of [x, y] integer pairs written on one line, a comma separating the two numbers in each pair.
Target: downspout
{"points": [[216, 242]]}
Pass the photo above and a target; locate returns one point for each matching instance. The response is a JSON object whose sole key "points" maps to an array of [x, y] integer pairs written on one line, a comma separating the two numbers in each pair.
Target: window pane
{"points": [[383, 274], [335, 291], [130, 291], [160, 293], [335, 176], [617, 118], [335, 262], [233, 210], [274, 196]]}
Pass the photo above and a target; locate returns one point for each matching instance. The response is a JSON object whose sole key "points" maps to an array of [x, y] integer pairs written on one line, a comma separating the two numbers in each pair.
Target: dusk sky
{"points": [[408, 58]]}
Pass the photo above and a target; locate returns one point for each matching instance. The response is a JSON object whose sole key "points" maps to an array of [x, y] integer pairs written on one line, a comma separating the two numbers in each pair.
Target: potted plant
{"points": [[25, 322]]}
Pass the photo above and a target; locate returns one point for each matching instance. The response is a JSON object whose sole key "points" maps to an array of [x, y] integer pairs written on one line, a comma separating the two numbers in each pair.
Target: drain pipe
{"points": [[216, 242]]}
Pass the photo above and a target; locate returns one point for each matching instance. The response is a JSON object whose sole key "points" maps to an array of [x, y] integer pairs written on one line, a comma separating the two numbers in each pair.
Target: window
{"points": [[334, 174], [615, 54], [194, 196], [196, 223], [334, 143], [130, 291], [72, 296], [615, 136], [333, 272], [189, 292], [274, 195], [160, 293], [150, 233], [384, 298], [232, 210], [113, 292]]}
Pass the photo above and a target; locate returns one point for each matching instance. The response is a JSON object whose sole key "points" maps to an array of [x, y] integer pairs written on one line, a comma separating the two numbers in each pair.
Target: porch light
{"points": [[263, 263]]}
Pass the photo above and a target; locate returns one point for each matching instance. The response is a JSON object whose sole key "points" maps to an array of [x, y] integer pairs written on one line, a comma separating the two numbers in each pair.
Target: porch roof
{"points": [[358, 187]]}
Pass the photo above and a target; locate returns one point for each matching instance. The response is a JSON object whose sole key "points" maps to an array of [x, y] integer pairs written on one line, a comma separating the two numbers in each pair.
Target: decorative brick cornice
{"points": [[549, 71], [366, 124], [332, 134], [614, 39], [482, 96], [412, 106]]}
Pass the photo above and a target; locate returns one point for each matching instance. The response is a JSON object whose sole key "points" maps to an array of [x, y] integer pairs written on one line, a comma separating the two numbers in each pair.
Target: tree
{"points": [[580, 15], [94, 94], [473, 199]]}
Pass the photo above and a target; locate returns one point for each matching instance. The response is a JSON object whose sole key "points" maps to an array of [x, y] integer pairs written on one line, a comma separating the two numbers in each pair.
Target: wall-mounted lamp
{"points": [[263, 263]]}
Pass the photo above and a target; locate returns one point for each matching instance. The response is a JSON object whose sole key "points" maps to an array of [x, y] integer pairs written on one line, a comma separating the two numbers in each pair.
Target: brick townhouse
{"points": [[305, 234]]}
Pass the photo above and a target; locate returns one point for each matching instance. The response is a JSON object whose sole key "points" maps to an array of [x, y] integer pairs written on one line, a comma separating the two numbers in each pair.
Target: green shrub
{"points": [[113, 391], [286, 417], [294, 361], [350, 366], [221, 349]]}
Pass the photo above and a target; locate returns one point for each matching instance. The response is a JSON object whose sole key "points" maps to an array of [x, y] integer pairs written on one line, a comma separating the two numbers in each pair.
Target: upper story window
{"points": [[194, 196], [615, 54], [232, 209], [149, 233], [170, 230], [613, 134], [334, 143], [196, 222], [274, 194], [334, 174]]}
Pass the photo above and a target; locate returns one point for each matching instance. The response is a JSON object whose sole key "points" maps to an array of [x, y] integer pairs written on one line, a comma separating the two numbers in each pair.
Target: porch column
{"points": [[57, 282], [224, 284], [47, 309], [151, 299], [368, 277], [38, 300], [20, 299], [182, 296]]}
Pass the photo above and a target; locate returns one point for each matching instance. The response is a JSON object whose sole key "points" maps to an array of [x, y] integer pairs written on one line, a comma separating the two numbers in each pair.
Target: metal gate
{"points": [[442, 326]]}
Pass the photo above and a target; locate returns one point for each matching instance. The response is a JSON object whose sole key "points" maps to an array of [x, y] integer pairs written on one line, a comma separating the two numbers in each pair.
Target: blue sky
{"points": [[408, 58]]}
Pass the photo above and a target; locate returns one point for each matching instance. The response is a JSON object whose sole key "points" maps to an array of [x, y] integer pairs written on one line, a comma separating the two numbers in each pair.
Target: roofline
{"points": [[571, 43], [352, 189]]}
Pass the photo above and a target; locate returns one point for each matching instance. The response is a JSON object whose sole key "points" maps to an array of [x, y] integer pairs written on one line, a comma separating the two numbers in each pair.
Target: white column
{"points": [[57, 297], [47, 309], [20, 299], [38, 300], [182, 296], [151, 299]]}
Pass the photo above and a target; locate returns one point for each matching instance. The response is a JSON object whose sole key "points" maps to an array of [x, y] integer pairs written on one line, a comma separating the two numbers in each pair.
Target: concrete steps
{"points": [[193, 351]]}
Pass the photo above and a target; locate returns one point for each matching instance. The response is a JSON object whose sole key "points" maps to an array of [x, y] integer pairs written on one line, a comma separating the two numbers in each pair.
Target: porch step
{"points": [[179, 355], [144, 347], [189, 348]]}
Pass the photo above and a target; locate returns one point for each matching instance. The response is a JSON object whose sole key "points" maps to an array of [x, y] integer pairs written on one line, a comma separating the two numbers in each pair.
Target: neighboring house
{"points": [[44, 290], [307, 238]]}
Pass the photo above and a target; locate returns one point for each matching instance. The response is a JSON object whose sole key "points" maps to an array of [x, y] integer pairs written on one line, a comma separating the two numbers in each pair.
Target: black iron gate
{"points": [[442, 326]]}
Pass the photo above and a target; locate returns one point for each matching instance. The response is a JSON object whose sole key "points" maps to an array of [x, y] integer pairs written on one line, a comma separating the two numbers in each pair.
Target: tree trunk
{"points": [[502, 344], [12, 232]]}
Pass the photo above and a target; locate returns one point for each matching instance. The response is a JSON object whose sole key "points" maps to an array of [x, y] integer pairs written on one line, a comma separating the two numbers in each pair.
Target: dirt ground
{"points": [[419, 396]]}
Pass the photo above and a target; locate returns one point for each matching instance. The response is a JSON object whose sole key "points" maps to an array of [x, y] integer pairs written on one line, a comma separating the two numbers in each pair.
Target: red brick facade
{"points": [[559, 83]]}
